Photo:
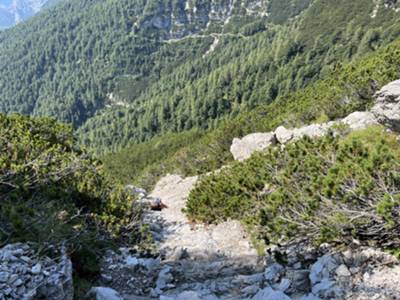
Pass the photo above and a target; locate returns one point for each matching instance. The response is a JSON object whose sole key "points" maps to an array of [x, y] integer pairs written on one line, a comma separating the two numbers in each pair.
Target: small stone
{"points": [[104, 293], [131, 261], [106, 278], [4, 277], [322, 268], [297, 266], [274, 272], [12, 278], [18, 282], [284, 285], [343, 271], [251, 290], [26, 259], [18, 252], [36, 269], [327, 290], [310, 297]]}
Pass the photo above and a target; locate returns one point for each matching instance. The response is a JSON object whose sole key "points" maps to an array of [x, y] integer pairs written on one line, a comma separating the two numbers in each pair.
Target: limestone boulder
{"points": [[242, 149]]}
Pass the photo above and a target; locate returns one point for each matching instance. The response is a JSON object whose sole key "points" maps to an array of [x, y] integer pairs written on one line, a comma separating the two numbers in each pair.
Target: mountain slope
{"points": [[346, 89], [253, 67], [80, 50], [129, 71]]}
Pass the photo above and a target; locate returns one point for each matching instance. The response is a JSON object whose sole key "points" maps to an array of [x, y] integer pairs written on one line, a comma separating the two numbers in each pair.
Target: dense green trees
{"points": [[348, 88], [246, 71]]}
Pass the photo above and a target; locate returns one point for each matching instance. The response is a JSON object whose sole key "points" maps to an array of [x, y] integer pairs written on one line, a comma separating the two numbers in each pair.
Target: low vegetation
{"points": [[54, 194], [329, 189]]}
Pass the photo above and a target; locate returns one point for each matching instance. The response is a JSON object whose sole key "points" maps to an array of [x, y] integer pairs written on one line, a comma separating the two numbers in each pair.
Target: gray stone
{"points": [[26, 259], [274, 272], [283, 135], [312, 131], [322, 269], [343, 271], [18, 282], [188, 295], [387, 105], [36, 269], [4, 277], [104, 293], [242, 149], [327, 289], [299, 279], [269, 294], [251, 289], [360, 120], [309, 297], [284, 285], [12, 278], [164, 278]]}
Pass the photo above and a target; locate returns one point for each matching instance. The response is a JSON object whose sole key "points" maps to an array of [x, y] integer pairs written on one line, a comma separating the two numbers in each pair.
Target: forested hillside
{"points": [[246, 70], [81, 51], [347, 88], [126, 71]]}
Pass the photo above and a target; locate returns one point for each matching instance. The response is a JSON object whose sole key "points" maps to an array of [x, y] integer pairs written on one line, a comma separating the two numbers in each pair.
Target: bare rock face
{"points": [[360, 120], [387, 106], [312, 131], [283, 135], [242, 149], [23, 275]]}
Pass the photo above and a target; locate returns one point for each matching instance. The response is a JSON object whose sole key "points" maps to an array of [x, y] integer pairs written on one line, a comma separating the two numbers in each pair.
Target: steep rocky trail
{"points": [[218, 262], [208, 258]]}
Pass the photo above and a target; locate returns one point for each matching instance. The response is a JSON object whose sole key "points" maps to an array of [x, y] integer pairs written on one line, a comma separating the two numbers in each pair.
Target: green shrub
{"points": [[328, 188], [54, 194]]}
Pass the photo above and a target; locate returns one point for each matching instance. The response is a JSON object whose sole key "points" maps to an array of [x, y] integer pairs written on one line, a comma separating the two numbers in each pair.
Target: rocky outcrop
{"points": [[387, 106], [386, 111], [242, 149], [24, 275]]}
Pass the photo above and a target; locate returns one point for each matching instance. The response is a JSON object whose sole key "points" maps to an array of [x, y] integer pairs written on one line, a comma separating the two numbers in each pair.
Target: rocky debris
{"points": [[387, 106], [242, 149], [311, 273], [24, 275], [128, 273]]}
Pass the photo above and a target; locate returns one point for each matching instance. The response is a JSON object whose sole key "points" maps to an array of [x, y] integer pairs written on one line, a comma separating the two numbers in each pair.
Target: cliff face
{"points": [[184, 17]]}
